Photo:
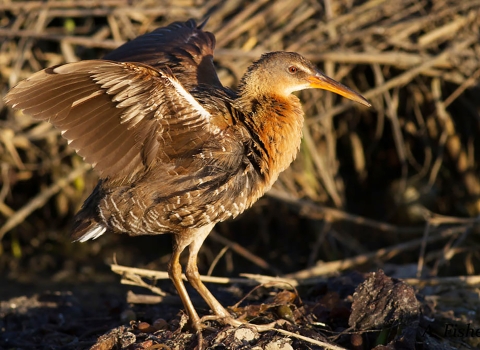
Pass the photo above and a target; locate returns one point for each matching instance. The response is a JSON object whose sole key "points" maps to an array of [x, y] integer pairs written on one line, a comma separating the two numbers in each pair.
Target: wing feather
{"points": [[121, 117], [182, 47]]}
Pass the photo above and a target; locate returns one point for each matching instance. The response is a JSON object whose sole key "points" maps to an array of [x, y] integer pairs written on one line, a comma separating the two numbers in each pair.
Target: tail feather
{"points": [[87, 230], [94, 232], [87, 223]]}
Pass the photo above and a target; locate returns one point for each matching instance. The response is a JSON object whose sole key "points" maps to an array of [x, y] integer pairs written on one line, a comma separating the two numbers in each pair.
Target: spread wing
{"points": [[121, 117], [181, 46]]}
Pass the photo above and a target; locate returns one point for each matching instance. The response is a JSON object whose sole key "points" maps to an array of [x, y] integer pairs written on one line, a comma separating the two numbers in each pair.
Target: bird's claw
{"points": [[201, 325], [229, 320]]}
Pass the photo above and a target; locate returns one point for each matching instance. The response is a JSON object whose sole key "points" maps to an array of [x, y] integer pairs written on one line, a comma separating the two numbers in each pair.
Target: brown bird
{"points": [[177, 152]]}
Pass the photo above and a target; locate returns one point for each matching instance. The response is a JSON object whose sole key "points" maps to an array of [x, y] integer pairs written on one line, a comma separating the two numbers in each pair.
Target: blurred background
{"points": [[402, 175]]}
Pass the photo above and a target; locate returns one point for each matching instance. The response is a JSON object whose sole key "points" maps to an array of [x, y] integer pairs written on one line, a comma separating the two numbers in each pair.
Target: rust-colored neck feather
{"points": [[276, 120]]}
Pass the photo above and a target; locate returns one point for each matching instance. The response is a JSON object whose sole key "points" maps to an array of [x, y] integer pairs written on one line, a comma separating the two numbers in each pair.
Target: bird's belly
{"points": [[148, 210]]}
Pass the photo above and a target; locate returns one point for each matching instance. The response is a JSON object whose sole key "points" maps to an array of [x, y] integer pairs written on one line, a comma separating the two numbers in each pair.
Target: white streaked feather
{"points": [[187, 96], [94, 233], [86, 98]]}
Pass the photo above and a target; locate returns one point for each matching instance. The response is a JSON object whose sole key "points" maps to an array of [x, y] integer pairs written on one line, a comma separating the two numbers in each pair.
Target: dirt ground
{"points": [[341, 312], [75, 317]]}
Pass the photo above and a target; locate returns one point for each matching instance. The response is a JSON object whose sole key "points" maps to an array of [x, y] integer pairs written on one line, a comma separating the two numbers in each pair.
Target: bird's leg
{"points": [[193, 276], [175, 274], [195, 241], [191, 271]]}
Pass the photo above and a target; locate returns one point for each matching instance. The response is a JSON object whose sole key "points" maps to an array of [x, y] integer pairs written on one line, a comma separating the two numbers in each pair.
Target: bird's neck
{"points": [[276, 123]]}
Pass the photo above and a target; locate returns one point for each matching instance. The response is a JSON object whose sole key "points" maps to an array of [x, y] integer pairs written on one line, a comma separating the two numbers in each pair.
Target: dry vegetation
{"points": [[402, 176]]}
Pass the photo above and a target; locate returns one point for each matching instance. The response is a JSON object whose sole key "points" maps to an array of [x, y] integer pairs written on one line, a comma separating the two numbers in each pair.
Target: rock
{"points": [[279, 344]]}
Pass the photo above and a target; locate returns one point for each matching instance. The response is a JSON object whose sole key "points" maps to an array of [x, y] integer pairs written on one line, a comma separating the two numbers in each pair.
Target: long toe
{"points": [[229, 320]]}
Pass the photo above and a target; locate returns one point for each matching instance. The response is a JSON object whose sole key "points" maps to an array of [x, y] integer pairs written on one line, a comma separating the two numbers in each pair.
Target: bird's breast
{"points": [[276, 129]]}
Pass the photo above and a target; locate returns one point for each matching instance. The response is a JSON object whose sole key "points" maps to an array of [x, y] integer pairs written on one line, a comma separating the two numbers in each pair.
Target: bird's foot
{"points": [[229, 320], [201, 325]]}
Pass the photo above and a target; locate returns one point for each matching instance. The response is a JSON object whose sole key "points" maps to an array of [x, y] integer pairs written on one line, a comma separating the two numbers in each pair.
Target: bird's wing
{"points": [[181, 46], [121, 117]]}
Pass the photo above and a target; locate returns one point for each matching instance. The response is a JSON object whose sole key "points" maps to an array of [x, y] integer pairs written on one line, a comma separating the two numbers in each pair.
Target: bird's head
{"points": [[286, 72]]}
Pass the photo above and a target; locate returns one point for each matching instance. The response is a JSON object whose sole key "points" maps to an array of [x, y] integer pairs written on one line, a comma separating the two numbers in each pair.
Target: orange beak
{"points": [[321, 81]]}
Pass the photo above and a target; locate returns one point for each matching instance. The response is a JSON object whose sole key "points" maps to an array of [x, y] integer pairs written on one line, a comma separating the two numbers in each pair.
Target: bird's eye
{"points": [[292, 69]]}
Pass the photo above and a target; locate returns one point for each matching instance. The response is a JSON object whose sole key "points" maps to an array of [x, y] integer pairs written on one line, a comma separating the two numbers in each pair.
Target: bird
{"points": [[176, 151]]}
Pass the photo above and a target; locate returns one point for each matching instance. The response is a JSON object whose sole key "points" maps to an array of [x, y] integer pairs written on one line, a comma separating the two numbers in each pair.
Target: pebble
{"points": [[280, 344], [244, 334]]}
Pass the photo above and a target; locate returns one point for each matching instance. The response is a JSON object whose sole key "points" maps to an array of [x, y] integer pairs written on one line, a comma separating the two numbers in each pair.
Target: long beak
{"points": [[321, 81]]}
